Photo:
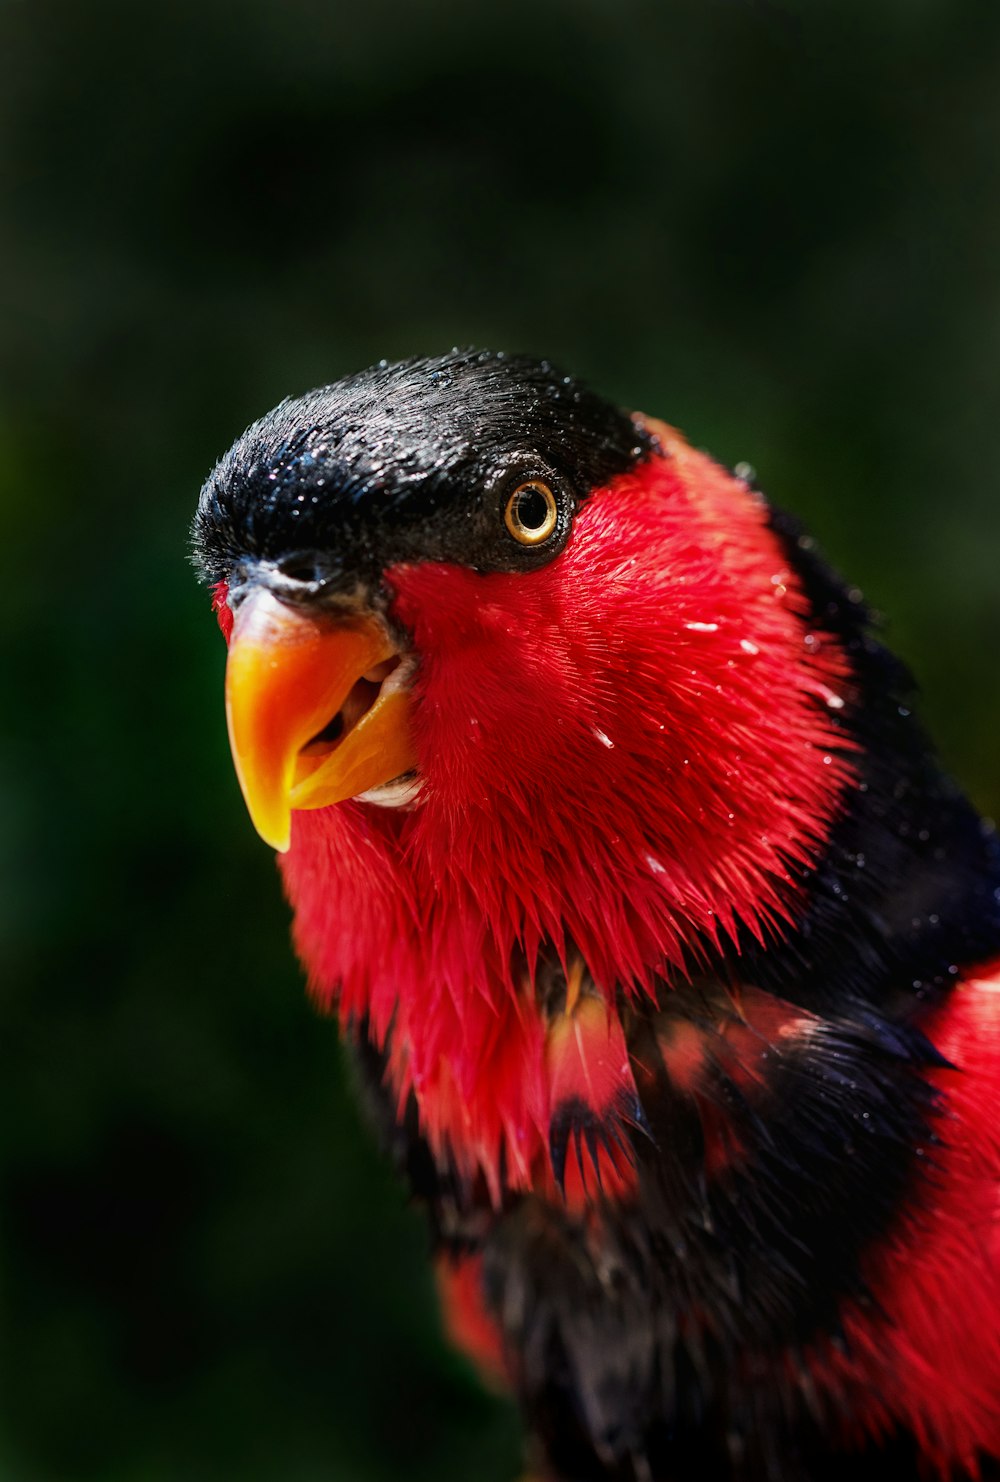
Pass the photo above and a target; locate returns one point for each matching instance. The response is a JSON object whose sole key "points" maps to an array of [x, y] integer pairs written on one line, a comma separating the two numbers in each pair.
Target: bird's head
{"points": [[530, 645]]}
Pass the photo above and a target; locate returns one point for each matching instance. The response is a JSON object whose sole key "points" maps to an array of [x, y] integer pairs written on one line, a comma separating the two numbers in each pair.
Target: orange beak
{"points": [[316, 710]]}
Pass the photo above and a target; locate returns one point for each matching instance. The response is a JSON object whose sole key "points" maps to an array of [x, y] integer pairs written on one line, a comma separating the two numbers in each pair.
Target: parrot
{"points": [[667, 952]]}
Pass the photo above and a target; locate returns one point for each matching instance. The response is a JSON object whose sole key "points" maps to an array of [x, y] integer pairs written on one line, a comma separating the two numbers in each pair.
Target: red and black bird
{"points": [[669, 954]]}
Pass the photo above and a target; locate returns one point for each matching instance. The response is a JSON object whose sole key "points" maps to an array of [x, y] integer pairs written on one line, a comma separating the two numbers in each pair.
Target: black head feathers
{"points": [[407, 462]]}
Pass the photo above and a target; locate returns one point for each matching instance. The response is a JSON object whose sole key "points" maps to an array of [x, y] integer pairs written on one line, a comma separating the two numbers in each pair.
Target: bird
{"points": [[668, 953]]}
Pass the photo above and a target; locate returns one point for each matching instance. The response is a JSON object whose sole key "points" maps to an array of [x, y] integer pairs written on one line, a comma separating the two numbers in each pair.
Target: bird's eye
{"points": [[532, 513]]}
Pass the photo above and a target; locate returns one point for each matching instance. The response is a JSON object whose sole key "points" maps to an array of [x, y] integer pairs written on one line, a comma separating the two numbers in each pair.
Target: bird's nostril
{"points": [[300, 569]]}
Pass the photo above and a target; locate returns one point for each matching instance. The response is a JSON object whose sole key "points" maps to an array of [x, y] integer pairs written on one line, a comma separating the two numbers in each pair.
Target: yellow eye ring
{"points": [[532, 513]]}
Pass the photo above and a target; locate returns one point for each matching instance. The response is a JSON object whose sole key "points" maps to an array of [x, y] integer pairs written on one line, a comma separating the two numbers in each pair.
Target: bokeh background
{"points": [[777, 225]]}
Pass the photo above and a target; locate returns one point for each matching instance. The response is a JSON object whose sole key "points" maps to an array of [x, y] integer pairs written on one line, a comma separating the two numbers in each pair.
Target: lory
{"points": [[669, 955]]}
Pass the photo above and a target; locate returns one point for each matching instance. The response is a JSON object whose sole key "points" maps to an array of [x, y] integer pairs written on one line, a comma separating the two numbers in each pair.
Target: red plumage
{"points": [[561, 795], [678, 976], [931, 1357]]}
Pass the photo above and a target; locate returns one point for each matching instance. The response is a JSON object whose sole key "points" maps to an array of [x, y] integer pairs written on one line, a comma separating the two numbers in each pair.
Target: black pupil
{"points": [[531, 510]]}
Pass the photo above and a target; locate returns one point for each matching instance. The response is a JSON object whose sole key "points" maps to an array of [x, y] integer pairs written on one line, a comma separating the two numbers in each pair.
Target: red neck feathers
{"points": [[600, 742]]}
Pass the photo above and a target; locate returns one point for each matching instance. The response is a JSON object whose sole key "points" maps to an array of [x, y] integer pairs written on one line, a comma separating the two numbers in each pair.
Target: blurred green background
{"points": [[777, 225]]}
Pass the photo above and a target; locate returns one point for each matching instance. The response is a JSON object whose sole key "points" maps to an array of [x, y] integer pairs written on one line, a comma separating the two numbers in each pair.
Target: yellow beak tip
{"points": [[278, 842], [287, 675], [273, 824]]}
